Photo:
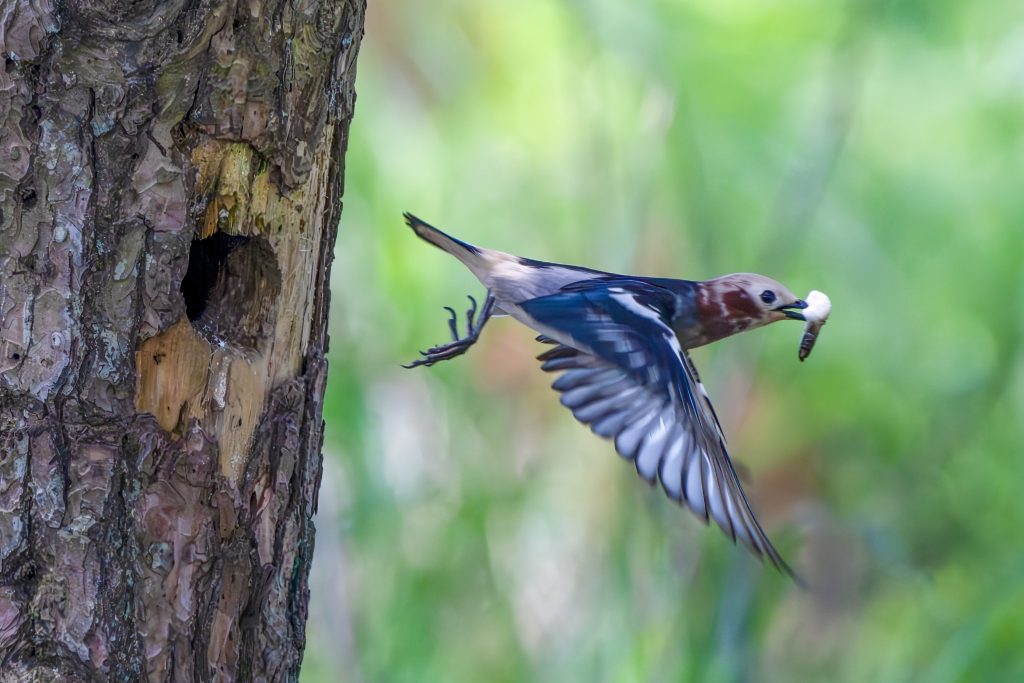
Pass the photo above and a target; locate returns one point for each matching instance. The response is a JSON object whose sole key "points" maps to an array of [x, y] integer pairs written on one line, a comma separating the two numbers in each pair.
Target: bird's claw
{"points": [[470, 313], [458, 345], [443, 352], [452, 323]]}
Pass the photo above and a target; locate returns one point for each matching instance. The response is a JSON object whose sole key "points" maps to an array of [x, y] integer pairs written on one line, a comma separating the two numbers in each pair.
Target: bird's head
{"points": [[742, 301]]}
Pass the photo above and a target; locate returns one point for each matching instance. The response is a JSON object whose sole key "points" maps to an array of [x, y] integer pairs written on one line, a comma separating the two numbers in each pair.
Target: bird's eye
{"points": [[768, 296]]}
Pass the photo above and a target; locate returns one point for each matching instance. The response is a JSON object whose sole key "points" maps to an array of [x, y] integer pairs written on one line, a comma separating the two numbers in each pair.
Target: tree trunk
{"points": [[170, 183]]}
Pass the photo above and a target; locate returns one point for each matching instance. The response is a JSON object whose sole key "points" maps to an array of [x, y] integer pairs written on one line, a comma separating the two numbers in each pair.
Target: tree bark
{"points": [[170, 183]]}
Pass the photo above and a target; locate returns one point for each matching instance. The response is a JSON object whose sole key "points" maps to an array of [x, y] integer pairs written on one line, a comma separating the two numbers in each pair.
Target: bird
{"points": [[621, 344]]}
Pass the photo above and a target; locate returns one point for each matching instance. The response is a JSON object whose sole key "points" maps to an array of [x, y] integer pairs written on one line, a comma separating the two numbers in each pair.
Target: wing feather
{"points": [[626, 377]]}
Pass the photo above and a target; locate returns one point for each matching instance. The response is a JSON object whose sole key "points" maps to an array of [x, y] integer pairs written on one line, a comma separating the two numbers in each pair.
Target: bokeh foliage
{"points": [[470, 530]]}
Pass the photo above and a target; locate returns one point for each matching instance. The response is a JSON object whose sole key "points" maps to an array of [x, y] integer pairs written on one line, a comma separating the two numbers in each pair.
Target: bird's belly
{"points": [[511, 282], [510, 292], [514, 283], [519, 314]]}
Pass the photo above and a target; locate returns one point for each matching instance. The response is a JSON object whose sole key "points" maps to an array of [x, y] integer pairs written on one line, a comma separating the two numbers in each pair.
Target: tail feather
{"points": [[463, 251]]}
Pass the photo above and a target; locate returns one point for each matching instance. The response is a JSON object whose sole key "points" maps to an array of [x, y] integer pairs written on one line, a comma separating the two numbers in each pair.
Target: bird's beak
{"points": [[793, 310]]}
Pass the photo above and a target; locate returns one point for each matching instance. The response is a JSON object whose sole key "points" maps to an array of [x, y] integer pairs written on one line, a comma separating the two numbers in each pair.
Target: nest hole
{"points": [[231, 289]]}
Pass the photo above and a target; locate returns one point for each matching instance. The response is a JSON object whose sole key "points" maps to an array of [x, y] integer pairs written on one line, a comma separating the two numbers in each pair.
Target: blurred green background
{"points": [[471, 530]]}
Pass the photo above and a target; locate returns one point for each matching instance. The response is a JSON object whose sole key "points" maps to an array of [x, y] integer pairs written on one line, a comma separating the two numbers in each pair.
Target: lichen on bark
{"points": [[158, 473]]}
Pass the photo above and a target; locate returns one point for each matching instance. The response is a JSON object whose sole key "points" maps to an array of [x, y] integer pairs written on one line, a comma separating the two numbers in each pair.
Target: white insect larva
{"points": [[816, 314]]}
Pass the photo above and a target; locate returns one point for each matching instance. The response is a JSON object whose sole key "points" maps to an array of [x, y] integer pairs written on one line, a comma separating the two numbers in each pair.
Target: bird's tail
{"points": [[465, 252]]}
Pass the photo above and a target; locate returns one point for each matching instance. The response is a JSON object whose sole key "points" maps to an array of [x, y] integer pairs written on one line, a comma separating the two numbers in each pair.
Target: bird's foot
{"points": [[458, 345]]}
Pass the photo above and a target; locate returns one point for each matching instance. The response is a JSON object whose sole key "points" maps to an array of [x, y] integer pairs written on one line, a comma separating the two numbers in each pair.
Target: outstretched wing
{"points": [[628, 379]]}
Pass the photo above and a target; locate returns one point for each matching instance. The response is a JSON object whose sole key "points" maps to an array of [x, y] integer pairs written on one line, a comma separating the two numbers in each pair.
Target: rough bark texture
{"points": [[160, 393]]}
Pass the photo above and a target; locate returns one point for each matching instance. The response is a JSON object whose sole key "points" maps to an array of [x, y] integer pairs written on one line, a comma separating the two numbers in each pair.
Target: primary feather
{"points": [[627, 378]]}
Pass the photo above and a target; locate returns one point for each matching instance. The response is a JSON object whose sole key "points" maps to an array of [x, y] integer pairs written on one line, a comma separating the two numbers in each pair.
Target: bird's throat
{"points": [[721, 312]]}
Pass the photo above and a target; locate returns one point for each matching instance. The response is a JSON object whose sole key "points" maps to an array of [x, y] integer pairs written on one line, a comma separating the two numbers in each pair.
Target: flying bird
{"points": [[621, 342]]}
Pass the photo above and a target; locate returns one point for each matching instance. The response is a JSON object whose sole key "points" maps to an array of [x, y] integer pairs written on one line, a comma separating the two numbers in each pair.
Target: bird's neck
{"points": [[722, 310]]}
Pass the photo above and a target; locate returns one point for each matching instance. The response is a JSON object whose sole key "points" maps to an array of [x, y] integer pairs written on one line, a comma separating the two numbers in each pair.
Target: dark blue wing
{"points": [[626, 377]]}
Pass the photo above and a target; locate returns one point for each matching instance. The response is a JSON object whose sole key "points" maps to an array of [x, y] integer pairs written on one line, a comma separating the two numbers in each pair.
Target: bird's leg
{"points": [[459, 345]]}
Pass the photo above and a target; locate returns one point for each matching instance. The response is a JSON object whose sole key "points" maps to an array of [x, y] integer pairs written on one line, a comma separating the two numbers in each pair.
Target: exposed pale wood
{"points": [[184, 377]]}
